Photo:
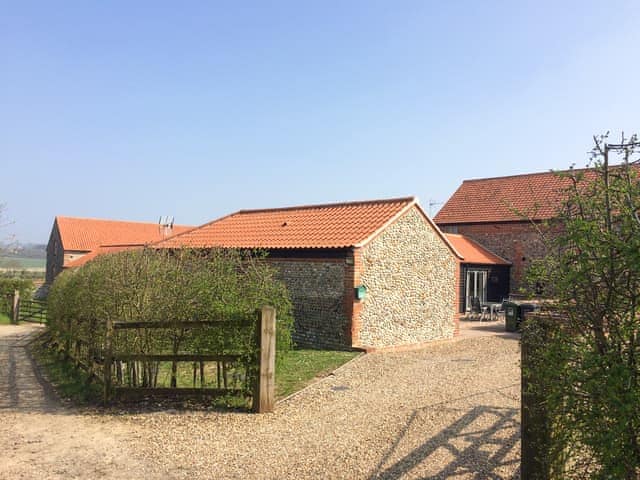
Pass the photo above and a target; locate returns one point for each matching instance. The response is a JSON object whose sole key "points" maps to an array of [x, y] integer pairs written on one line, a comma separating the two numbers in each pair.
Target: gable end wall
{"points": [[55, 254], [410, 275]]}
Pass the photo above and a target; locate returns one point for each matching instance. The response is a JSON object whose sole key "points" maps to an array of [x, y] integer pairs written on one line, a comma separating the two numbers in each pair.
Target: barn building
{"points": [[506, 216], [372, 274], [73, 240]]}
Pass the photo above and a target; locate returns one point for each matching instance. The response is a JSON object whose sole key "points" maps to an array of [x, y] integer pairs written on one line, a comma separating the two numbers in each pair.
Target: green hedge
{"points": [[159, 285], [7, 288]]}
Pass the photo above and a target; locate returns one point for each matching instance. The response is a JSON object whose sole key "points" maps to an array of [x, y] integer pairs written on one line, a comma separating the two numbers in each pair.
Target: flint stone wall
{"points": [[409, 273], [317, 292]]}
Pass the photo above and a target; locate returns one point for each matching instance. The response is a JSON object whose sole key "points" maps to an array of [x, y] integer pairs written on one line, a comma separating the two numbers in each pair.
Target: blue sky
{"points": [[132, 110]]}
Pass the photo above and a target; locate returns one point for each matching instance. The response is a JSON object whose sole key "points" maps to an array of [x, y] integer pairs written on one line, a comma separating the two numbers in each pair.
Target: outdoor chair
{"points": [[479, 312]]}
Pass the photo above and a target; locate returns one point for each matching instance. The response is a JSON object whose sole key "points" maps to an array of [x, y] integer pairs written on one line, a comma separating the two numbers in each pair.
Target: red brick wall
{"points": [[518, 242], [458, 285], [352, 307]]}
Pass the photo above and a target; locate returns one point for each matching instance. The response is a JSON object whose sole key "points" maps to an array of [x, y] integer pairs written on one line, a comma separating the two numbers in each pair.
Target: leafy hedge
{"points": [[586, 375], [160, 285], [7, 288]]}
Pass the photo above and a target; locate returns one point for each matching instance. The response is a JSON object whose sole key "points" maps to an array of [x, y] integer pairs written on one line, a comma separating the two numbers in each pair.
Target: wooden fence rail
{"points": [[26, 310], [258, 364], [34, 311]]}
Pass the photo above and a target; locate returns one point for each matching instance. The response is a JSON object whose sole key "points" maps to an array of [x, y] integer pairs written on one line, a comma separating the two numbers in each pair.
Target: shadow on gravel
{"points": [[478, 444]]}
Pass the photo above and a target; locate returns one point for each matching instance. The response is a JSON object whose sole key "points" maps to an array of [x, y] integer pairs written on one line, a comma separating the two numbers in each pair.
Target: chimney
{"points": [[165, 225]]}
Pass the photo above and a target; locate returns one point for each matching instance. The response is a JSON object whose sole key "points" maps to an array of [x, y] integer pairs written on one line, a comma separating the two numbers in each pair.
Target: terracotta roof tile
{"points": [[536, 195], [85, 234], [316, 226], [78, 262], [473, 252]]}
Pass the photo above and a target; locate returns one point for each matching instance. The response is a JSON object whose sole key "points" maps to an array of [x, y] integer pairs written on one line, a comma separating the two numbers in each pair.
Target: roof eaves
{"points": [[411, 202]]}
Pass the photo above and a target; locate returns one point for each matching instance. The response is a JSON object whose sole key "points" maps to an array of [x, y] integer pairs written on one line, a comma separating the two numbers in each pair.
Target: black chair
{"points": [[477, 311]]}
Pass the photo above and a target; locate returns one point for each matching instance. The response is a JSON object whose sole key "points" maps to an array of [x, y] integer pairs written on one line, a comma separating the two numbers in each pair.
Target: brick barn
{"points": [[371, 274], [481, 273], [73, 241], [505, 215]]}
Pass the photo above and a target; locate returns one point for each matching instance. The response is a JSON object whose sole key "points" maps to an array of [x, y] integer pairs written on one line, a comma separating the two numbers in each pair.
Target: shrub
{"points": [[161, 285], [590, 368], [7, 288]]}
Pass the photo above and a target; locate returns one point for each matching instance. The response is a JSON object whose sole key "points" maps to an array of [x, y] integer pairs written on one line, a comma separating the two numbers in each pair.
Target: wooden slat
{"points": [[162, 391], [182, 324], [128, 357]]}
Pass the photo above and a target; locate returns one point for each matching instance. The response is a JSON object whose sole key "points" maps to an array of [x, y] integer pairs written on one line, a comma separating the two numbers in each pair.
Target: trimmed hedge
{"points": [[7, 288], [160, 285]]}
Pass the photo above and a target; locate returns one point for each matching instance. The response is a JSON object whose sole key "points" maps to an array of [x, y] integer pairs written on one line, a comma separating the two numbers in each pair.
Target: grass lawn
{"points": [[69, 382], [294, 370], [298, 368], [22, 262], [4, 319]]}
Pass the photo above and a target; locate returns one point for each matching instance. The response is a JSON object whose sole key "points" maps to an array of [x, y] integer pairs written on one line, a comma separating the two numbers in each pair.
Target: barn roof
{"points": [[78, 262], [337, 225], [473, 252], [537, 196], [86, 234]]}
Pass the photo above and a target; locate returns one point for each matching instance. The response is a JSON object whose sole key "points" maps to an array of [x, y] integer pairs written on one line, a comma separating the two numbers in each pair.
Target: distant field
{"points": [[20, 263]]}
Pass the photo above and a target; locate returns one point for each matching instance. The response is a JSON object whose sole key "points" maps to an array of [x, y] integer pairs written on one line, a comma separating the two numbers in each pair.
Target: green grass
{"points": [[70, 382], [294, 370], [297, 368], [21, 262], [4, 319]]}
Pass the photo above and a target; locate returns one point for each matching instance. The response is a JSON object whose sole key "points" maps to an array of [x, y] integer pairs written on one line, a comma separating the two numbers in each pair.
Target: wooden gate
{"points": [[32, 311]]}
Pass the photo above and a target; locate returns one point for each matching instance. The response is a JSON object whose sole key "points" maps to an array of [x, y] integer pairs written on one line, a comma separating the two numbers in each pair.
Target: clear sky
{"points": [[132, 110]]}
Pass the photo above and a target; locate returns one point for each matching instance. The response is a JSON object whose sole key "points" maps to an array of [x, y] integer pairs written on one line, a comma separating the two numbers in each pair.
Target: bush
{"points": [[161, 285], [7, 288], [590, 368]]}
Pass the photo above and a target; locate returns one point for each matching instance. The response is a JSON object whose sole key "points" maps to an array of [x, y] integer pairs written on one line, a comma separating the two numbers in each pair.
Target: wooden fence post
{"points": [[264, 396], [16, 307], [535, 425], [108, 360]]}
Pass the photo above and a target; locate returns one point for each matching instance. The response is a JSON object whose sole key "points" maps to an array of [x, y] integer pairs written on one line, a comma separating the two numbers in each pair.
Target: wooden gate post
{"points": [[264, 396], [16, 307], [535, 424], [108, 360]]}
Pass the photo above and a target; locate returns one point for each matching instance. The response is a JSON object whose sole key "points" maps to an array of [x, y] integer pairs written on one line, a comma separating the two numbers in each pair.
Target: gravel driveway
{"points": [[450, 410], [43, 439]]}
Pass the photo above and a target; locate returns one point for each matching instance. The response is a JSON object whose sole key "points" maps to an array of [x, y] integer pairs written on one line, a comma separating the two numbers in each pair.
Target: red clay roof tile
{"points": [[503, 199], [337, 225], [85, 234], [78, 262], [473, 252], [531, 196]]}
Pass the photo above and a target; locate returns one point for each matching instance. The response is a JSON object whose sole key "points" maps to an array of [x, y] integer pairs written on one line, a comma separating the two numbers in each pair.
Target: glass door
{"points": [[476, 286]]}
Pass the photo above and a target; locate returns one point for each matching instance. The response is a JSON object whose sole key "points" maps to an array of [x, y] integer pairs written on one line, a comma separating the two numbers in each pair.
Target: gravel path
{"points": [[41, 438], [450, 410]]}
